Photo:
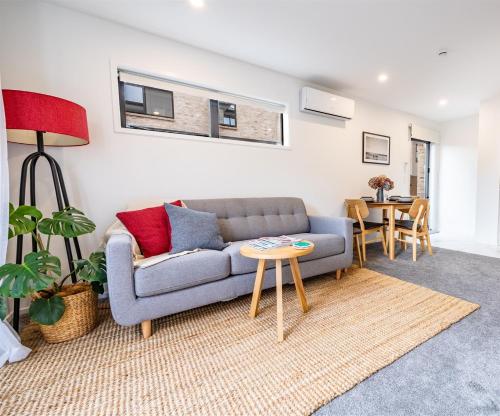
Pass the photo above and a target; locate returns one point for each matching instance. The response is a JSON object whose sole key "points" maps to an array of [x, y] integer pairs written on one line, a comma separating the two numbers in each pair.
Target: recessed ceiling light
{"points": [[443, 102], [383, 78], [442, 52], [197, 4]]}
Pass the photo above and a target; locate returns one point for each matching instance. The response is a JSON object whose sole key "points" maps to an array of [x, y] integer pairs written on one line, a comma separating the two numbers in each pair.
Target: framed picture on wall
{"points": [[376, 148]]}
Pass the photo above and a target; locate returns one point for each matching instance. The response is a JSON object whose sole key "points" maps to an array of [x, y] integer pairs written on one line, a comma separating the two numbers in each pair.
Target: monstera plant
{"points": [[3, 308], [39, 276]]}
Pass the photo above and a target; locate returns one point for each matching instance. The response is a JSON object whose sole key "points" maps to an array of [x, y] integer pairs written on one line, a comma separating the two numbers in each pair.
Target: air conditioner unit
{"points": [[323, 103]]}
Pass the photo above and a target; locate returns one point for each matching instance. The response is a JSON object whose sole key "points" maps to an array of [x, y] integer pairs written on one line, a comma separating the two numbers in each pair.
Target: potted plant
{"points": [[381, 183], [64, 311]]}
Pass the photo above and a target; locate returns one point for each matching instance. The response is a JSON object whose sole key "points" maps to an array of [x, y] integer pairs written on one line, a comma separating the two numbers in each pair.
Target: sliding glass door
{"points": [[420, 168]]}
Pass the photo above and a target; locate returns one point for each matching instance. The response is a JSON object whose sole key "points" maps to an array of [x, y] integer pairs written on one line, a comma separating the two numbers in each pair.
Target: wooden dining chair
{"points": [[401, 238], [416, 227], [358, 211], [402, 213], [406, 211]]}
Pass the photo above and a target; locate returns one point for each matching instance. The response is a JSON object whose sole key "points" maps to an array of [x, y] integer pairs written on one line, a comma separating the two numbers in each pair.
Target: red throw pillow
{"points": [[150, 227]]}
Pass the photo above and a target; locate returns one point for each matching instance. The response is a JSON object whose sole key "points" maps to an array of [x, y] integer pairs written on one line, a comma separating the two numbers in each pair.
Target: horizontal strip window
{"points": [[147, 103]]}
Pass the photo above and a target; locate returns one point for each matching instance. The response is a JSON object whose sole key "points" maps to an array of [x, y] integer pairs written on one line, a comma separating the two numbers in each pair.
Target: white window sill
{"points": [[177, 136]]}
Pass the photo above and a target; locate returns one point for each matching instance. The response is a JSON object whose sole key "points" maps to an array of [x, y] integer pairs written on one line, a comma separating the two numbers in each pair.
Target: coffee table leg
{"points": [[299, 287], [279, 300], [257, 288]]}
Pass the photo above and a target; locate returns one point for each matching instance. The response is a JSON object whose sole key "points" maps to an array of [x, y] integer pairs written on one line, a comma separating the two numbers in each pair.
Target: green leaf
{"points": [[68, 223], [93, 269], [34, 274], [3, 307], [47, 311], [23, 220], [97, 287]]}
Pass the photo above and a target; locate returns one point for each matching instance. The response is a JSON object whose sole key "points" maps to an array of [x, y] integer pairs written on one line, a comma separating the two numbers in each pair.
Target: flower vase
{"points": [[380, 195]]}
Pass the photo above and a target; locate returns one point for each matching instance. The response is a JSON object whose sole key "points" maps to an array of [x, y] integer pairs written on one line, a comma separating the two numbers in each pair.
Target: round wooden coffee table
{"points": [[277, 254]]}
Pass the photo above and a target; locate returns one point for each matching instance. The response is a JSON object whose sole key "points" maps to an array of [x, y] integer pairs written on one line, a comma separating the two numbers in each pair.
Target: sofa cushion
{"points": [[325, 245], [241, 264], [182, 272], [248, 218]]}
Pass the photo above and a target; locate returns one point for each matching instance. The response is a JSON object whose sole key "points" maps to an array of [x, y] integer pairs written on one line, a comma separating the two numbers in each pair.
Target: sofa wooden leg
{"points": [[146, 329], [338, 274]]}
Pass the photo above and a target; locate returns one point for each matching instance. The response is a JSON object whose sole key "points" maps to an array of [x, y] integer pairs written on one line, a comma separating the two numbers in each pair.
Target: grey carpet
{"points": [[456, 372]]}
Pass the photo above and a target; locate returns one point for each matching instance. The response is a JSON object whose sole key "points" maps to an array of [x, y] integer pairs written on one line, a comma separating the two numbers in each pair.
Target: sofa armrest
{"points": [[120, 270], [334, 225], [331, 225]]}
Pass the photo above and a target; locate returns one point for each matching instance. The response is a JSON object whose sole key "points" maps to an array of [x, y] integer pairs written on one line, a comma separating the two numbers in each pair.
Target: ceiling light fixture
{"points": [[197, 4], [383, 78], [443, 102]]}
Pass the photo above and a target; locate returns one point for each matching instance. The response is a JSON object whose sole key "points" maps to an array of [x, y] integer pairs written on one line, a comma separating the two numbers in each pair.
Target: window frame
{"points": [[235, 115], [145, 112]]}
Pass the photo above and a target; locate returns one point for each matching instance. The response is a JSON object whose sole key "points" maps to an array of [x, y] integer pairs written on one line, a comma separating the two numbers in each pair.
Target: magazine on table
{"points": [[265, 243]]}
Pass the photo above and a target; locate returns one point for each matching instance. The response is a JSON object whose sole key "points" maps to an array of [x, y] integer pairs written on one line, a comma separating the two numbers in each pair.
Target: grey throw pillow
{"points": [[193, 229]]}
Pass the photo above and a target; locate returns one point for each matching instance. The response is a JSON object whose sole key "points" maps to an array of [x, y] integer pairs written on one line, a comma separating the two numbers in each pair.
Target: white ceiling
{"points": [[343, 44]]}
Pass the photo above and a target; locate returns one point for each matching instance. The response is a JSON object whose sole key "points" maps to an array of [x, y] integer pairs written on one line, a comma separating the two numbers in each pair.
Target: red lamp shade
{"points": [[63, 122]]}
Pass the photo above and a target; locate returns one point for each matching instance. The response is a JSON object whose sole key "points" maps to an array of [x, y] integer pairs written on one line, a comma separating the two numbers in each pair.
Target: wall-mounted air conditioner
{"points": [[326, 104]]}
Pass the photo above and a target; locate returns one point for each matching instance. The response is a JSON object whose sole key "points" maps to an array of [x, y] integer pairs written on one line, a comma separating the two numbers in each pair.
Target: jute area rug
{"points": [[215, 360]]}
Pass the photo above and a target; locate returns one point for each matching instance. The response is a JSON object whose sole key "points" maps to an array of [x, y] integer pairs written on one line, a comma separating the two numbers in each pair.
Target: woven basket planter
{"points": [[80, 315]]}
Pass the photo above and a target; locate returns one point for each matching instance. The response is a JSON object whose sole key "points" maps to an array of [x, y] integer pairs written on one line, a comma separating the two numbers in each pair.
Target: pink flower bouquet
{"points": [[381, 182]]}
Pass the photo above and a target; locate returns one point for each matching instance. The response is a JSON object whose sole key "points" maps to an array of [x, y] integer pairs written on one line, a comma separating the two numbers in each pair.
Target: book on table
{"points": [[265, 243]]}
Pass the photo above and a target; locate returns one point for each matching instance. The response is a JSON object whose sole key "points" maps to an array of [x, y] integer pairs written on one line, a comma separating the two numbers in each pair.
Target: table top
{"points": [[279, 253], [385, 204]]}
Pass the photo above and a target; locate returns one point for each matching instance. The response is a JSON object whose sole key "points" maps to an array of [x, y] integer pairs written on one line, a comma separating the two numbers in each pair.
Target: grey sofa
{"points": [[208, 276]]}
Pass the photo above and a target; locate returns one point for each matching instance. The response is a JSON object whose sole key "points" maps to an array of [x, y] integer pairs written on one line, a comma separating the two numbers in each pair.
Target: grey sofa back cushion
{"points": [[247, 218]]}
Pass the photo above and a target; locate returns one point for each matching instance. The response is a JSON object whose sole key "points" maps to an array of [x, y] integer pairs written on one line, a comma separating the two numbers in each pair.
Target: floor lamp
{"points": [[43, 120]]}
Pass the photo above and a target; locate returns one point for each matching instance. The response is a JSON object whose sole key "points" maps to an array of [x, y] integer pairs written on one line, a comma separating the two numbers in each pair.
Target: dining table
{"points": [[390, 207]]}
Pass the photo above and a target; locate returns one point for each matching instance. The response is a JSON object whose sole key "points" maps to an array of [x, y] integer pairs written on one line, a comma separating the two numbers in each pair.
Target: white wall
{"points": [[457, 178], [67, 54], [434, 189], [488, 173]]}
